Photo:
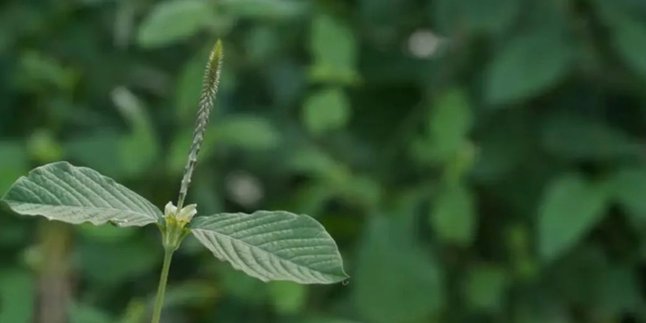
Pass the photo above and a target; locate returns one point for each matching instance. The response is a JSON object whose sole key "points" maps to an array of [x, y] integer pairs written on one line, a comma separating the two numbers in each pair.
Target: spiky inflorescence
{"points": [[207, 99]]}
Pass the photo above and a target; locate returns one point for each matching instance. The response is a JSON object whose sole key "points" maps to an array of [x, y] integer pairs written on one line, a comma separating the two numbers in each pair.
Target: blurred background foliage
{"points": [[477, 160]]}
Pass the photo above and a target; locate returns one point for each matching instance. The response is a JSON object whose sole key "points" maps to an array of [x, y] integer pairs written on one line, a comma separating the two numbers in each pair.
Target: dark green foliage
{"points": [[477, 161]]}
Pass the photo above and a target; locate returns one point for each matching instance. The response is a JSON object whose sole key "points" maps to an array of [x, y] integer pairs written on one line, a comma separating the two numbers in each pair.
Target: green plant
{"points": [[268, 245]]}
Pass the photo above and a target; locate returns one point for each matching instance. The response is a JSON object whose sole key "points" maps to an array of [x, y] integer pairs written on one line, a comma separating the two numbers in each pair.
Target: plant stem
{"points": [[161, 289]]}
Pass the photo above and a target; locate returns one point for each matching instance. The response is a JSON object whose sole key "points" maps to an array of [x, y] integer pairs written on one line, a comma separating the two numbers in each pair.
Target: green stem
{"points": [[161, 289]]}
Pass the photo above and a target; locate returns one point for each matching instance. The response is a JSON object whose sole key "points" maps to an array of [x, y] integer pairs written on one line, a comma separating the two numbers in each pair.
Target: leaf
{"points": [[272, 245], [485, 287], [629, 189], [264, 9], [63, 192], [489, 16], [14, 162], [449, 124], [570, 207], [396, 281], [326, 110], [287, 297], [246, 132], [189, 293], [105, 233], [334, 50], [17, 292], [97, 149], [627, 29], [170, 21], [85, 313], [106, 263], [187, 89], [453, 216], [526, 67], [139, 148], [581, 138], [630, 43]]}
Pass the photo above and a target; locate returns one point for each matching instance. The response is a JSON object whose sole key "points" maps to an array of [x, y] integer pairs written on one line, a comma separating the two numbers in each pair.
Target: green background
{"points": [[476, 160]]}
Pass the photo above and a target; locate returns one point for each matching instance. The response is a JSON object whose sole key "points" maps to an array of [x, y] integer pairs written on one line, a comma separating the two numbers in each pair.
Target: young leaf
{"points": [[272, 245], [63, 192], [570, 208]]}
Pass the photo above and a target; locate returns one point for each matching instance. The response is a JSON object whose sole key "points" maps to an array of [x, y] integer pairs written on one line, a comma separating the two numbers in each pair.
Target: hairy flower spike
{"points": [[207, 98]]}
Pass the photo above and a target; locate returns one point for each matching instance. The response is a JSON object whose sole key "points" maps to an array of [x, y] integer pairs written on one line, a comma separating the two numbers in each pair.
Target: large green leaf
{"points": [[272, 245], [171, 21], [570, 207], [524, 68], [63, 192], [396, 280]]}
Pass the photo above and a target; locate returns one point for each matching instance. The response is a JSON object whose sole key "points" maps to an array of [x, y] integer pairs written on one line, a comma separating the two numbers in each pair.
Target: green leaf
{"points": [[627, 29], [526, 67], [105, 233], [139, 148], [272, 245], [571, 206], [489, 16], [581, 138], [326, 110], [86, 313], [453, 216], [245, 132], [287, 297], [170, 21], [17, 292], [396, 281], [265, 9], [105, 263], [334, 49], [485, 287], [449, 124], [629, 189], [630, 43], [63, 192], [14, 162], [97, 149]]}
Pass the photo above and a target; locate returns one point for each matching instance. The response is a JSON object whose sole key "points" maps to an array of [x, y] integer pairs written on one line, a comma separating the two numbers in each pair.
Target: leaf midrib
{"points": [[264, 250], [21, 203]]}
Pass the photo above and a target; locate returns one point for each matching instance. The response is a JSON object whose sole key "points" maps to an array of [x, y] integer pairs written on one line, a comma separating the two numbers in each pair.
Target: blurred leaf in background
{"points": [[476, 160]]}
